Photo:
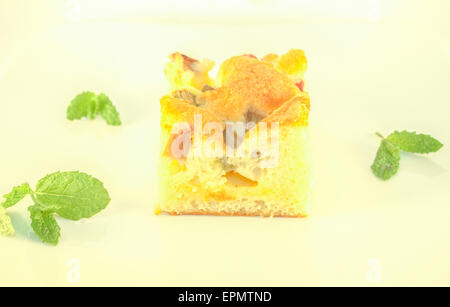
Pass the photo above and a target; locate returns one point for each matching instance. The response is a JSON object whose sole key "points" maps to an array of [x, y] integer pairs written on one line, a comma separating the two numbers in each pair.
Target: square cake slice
{"points": [[236, 144]]}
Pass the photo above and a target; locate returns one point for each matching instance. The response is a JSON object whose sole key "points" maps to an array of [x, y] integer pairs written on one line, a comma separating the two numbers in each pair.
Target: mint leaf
{"points": [[44, 225], [108, 111], [90, 105], [6, 227], [83, 105], [414, 143], [387, 161], [16, 195], [72, 195]]}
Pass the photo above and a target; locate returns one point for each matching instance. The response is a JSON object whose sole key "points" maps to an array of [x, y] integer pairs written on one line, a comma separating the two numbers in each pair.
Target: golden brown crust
{"points": [[270, 58], [248, 86], [294, 111], [258, 84], [226, 103], [175, 110]]}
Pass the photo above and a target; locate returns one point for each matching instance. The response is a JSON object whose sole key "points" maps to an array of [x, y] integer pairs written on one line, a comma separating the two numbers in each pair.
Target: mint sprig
{"points": [[70, 195], [387, 160], [90, 105]]}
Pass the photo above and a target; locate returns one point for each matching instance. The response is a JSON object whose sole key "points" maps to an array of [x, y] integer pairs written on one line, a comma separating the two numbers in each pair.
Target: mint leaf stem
{"points": [[379, 134]]}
